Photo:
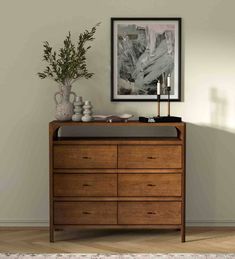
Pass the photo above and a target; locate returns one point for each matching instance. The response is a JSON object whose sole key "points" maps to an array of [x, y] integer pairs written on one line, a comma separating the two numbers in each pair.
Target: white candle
{"points": [[158, 88], [169, 80]]}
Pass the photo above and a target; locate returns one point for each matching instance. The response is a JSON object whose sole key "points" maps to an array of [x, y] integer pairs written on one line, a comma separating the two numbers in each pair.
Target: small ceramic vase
{"points": [[87, 112], [77, 116]]}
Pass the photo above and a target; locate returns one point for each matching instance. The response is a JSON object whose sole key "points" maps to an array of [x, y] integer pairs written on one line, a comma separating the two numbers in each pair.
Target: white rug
{"points": [[115, 256]]}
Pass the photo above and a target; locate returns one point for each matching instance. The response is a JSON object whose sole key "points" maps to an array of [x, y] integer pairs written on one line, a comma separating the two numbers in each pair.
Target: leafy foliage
{"points": [[69, 64]]}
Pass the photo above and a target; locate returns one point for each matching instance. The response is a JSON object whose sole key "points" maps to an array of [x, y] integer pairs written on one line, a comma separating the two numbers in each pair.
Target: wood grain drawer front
{"points": [[149, 185], [85, 156], [149, 213], [85, 185], [87, 213], [149, 156]]}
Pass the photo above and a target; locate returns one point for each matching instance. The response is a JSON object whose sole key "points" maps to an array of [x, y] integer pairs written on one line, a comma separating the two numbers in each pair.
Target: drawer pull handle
{"points": [[86, 184], [86, 157], [151, 157], [151, 213], [151, 185], [86, 212]]}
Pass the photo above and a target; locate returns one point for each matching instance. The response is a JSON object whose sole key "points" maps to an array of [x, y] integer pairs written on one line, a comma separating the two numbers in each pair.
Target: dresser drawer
{"points": [[149, 156], [85, 185], [149, 213], [149, 185], [98, 213], [85, 156]]}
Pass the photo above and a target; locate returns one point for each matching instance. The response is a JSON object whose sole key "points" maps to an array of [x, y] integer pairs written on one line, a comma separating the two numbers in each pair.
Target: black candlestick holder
{"points": [[168, 100], [158, 105], [167, 118], [160, 118]]}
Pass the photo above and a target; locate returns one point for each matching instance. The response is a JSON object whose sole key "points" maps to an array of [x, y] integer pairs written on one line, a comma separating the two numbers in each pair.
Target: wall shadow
{"points": [[210, 176], [218, 107]]}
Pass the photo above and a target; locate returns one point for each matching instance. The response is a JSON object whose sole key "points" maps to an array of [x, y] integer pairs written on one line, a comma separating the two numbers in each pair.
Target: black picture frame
{"points": [[134, 24]]}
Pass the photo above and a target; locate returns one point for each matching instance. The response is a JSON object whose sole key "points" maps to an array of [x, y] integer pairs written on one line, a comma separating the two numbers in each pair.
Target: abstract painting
{"points": [[143, 52]]}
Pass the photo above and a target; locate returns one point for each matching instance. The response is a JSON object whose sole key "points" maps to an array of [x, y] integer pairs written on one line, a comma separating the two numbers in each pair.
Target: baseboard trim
{"points": [[23, 223], [210, 223], [45, 223]]}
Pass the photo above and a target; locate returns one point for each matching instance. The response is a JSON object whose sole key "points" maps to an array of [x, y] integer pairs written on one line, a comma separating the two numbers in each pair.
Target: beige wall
{"points": [[26, 102]]}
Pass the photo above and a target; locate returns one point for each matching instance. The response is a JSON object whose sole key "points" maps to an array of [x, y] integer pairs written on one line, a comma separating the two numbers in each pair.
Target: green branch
{"points": [[69, 63]]}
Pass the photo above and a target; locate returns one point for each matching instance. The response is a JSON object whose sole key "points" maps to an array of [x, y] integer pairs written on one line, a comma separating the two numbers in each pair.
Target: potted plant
{"points": [[65, 67]]}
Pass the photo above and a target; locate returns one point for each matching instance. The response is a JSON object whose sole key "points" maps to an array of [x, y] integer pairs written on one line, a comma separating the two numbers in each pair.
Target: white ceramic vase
{"points": [[87, 112], [77, 116], [64, 107]]}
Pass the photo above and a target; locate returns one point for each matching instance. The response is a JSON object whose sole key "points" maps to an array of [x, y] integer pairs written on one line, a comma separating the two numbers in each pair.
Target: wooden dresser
{"points": [[117, 182]]}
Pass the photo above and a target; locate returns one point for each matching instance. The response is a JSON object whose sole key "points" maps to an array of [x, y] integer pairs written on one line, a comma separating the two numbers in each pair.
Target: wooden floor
{"points": [[199, 240]]}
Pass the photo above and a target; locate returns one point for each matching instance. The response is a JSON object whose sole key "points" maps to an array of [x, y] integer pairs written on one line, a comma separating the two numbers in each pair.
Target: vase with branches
{"points": [[66, 66]]}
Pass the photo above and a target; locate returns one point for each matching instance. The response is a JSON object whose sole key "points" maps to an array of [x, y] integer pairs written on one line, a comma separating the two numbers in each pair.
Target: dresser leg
{"points": [[52, 238], [183, 234]]}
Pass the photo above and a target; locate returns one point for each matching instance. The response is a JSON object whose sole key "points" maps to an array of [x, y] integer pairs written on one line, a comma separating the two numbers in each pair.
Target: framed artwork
{"points": [[145, 51]]}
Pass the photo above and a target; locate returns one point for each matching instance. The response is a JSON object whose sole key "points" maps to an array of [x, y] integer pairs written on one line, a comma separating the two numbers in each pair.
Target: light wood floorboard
{"points": [[199, 240]]}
